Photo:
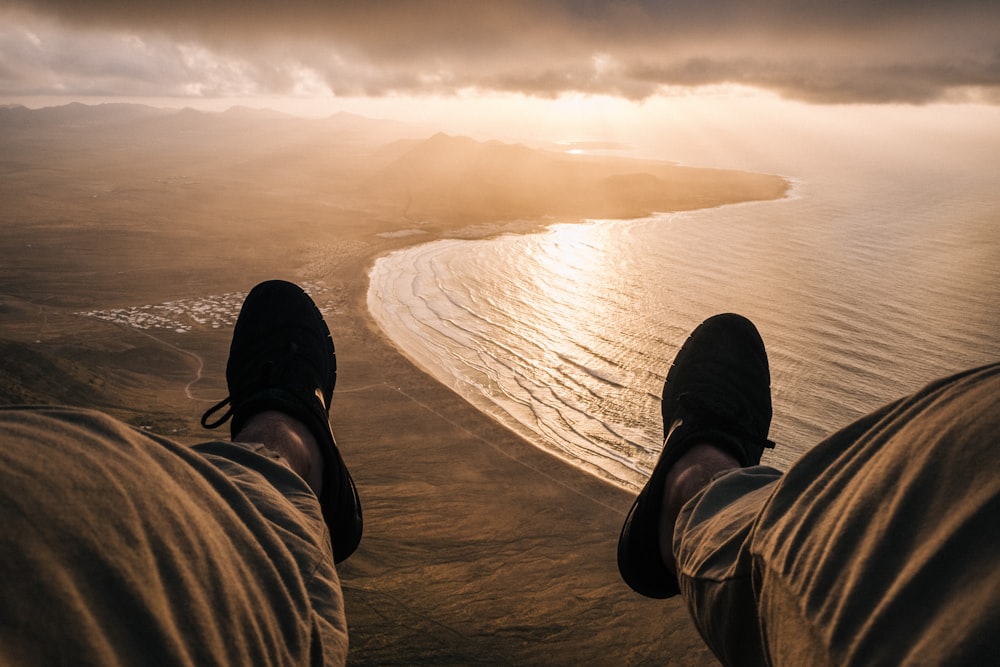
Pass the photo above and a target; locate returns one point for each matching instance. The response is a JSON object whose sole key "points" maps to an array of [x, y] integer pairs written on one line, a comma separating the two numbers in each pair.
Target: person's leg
{"points": [[274, 501], [122, 547], [282, 365], [716, 414], [289, 438], [281, 374], [711, 548], [691, 473], [880, 545]]}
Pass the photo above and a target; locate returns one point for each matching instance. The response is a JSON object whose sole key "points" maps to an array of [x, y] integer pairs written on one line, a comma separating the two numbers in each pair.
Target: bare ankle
{"points": [[690, 474], [289, 438]]}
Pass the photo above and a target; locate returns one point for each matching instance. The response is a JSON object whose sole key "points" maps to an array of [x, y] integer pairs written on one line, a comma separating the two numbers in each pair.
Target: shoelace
{"points": [[268, 372], [215, 408]]}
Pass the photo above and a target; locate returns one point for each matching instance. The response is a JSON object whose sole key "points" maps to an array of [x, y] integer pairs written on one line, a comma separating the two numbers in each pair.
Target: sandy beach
{"points": [[479, 548]]}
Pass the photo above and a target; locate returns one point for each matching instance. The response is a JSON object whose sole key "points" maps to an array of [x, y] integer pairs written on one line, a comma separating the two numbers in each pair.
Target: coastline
{"points": [[427, 362], [479, 548]]}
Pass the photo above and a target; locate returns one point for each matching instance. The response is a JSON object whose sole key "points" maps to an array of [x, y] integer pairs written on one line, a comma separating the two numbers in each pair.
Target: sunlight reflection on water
{"points": [[864, 289]]}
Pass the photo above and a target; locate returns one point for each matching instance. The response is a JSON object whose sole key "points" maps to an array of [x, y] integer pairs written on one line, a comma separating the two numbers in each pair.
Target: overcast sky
{"points": [[844, 51]]}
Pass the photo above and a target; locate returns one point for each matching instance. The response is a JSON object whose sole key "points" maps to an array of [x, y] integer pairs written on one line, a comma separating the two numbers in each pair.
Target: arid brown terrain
{"points": [[128, 236]]}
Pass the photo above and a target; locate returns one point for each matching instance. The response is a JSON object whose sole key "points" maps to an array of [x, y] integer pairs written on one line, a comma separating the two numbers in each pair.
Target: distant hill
{"points": [[373, 164], [76, 115], [451, 178], [118, 147], [159, 125]]}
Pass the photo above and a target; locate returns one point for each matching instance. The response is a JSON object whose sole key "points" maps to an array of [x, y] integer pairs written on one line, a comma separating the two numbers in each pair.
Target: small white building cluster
{"points": [[184, 315]]}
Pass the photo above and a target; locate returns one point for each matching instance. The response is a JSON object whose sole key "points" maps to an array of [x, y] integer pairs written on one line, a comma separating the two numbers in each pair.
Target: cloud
{"points": [[814, 50]]}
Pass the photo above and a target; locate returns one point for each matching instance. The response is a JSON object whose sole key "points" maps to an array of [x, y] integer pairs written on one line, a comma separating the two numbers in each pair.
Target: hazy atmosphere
{"points": [[511, 215]]}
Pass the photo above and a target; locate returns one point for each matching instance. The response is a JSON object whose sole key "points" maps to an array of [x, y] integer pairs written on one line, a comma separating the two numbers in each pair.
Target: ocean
{"points": [[877, 274]]}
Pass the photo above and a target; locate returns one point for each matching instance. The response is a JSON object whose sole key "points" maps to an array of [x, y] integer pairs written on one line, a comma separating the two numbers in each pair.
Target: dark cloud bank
{"points": [[910, 51]]}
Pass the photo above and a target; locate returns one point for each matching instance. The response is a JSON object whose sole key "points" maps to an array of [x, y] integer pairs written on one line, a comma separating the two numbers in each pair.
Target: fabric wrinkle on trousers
{"points": [[123, 547], [880, 546]]}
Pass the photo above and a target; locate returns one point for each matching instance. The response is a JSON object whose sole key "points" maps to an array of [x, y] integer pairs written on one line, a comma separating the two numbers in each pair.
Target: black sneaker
{"points": [[718, 390], [282, 358]]}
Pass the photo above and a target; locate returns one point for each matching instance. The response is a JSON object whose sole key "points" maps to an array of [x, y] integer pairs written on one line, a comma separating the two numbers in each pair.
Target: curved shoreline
{"points": [[484, 405], [480, 546]]}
